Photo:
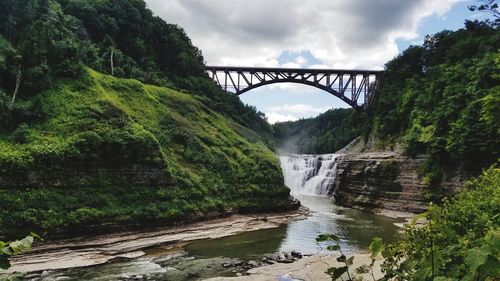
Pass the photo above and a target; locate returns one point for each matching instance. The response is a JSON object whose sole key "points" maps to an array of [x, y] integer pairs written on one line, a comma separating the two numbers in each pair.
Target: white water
{"points": [[309, 174]]}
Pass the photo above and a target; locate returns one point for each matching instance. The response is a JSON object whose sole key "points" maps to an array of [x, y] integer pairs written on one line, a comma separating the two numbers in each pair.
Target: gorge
{"points": [[309, 177], [132, 163]]}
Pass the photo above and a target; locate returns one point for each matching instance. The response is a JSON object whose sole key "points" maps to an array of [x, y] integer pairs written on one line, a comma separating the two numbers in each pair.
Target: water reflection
{"points": [[248, 245], [356, 229]]}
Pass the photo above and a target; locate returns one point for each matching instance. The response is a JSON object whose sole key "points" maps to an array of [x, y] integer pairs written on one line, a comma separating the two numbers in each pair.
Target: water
{"points": [[202, 259], [309, 174]]}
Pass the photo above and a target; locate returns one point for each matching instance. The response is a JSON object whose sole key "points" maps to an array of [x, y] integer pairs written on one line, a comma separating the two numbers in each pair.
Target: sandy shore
{"points": [[102, 249], [310, 268]]}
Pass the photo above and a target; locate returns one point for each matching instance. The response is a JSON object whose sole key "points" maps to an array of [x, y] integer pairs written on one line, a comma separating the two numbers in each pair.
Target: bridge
{"points": [[354, 87]]}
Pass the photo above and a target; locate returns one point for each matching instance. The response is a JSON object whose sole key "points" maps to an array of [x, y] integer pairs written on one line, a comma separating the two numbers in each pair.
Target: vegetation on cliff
{"points": [[79, 148], [111, 150]]}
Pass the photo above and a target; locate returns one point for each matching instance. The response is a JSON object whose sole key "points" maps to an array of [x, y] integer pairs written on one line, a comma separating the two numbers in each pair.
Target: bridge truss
{"points": [[355, 87]]}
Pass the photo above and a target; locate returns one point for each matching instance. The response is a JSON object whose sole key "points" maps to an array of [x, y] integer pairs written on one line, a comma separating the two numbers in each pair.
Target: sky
{"points": [[342, 34]]}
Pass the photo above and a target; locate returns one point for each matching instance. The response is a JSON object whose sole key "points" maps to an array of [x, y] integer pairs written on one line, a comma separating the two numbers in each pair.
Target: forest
{"points": [[439, 99], [43, 41]]}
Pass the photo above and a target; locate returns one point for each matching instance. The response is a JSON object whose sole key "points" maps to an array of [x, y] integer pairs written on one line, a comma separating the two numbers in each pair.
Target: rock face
{"points": [[379, 181]]}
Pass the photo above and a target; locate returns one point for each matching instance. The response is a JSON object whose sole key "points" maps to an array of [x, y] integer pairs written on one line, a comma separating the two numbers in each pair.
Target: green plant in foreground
{"points": [[9, 249], [376, 247], [459, 241]]}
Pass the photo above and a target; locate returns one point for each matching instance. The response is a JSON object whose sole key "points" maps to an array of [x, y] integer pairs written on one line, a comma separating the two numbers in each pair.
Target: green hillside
{"points": [[43, 41], [326, 133], [110, 150]]}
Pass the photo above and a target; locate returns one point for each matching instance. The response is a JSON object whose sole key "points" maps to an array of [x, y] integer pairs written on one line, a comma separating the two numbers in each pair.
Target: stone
{"points": [[296, 254], [253, 263]]}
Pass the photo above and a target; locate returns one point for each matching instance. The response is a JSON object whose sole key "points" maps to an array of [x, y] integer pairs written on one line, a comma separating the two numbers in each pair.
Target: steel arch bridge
{"points": [[355, 87]]}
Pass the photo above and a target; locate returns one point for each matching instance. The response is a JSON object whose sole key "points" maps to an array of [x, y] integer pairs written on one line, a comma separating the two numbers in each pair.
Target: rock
{"points": [[253, 264], [193, 275], [268, 260], [296, 254], [227, 264], [124, 277]]}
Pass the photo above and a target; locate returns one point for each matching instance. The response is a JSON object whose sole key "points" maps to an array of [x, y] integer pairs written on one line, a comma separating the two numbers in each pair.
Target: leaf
{"points": [[349, 261], [6, 251], [418, 217], [363, 269], [491, 267], [4, 263], [476, 257], [376, 247], [327, 237], [492, 238], [443, 278], [336, 272], [21, 245], [423, 272], [342, 258], [35, 236], [333, 247]]}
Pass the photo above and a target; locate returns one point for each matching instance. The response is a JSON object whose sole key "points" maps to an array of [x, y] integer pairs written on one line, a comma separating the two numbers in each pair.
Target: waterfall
{"points": [[309, 174]]}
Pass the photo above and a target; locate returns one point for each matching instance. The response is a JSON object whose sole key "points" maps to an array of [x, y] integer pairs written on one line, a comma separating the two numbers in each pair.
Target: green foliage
{"points": [[48, 40], [108, 150], [332, 243], [326, 133], [9, 249], [460, 240], [441, 99]]}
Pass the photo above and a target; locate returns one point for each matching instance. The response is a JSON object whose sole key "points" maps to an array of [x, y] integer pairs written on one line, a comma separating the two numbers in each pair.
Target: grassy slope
{"points": [[116, 150]]}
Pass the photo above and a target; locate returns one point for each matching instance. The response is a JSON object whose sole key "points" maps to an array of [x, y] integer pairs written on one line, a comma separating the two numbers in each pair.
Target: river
{"points": [[309, 177]]}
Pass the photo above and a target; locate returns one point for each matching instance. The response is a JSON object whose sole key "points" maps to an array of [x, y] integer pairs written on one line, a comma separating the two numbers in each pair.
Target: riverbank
{"points": [[83, 252], [310, 268]]}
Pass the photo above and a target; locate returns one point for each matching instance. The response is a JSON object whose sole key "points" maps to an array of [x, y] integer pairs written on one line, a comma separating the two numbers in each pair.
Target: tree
{"points": [[490, 6]]}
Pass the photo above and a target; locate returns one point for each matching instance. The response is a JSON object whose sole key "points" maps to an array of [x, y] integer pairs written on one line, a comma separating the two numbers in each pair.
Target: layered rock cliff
{"points": [[379, 181]]}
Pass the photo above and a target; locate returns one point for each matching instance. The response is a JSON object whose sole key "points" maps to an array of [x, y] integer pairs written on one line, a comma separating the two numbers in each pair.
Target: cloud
{"points": [[291, 112], [339, 34], [297, 108], [273, 117]]}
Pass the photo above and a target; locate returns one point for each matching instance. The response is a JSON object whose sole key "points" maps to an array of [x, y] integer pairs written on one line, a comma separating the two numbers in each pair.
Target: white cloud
{"points": [[273, 117], [297, 108], [291, 112], [340, 34]]}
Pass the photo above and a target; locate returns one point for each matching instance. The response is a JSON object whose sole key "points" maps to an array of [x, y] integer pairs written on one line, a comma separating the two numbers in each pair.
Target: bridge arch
{"points": [[354, 87]]}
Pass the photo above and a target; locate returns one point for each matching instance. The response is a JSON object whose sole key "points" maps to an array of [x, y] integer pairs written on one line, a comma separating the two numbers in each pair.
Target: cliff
{"points": [[105, 150], [386, 180]]}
